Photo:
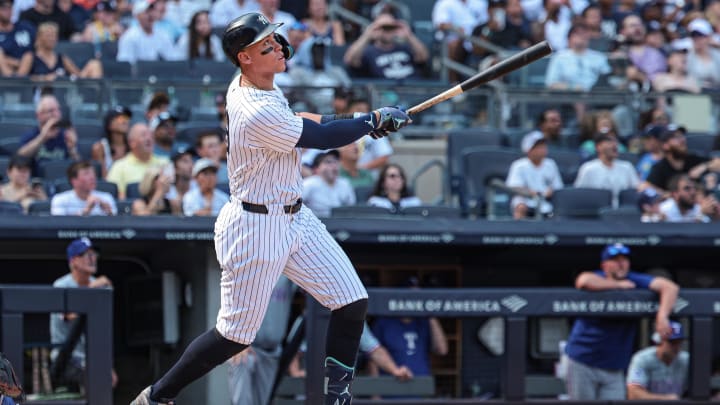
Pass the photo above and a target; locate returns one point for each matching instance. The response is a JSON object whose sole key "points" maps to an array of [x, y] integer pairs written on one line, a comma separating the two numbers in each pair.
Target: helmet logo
{"points": [[262, 19]]}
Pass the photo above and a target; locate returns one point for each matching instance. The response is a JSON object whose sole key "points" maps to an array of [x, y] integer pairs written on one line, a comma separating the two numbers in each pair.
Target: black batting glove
{"points": [[388, 119]]}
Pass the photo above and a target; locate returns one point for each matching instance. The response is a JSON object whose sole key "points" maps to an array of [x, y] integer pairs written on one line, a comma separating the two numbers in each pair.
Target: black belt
{"points": [[261, 209]]}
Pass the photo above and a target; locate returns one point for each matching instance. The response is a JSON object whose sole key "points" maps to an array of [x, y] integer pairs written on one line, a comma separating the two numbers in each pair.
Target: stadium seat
{"points": [[89, 131], [117, 70], [79, 52], [629, 157], [362, 194], [700, 144], [628, 197], [8, 146], [480, 166], [356, 211], [39, 208], [459, 140], [162, 69], [132, 191], [568, 162], [217, 72], [10, 208], [336, 54], [108, 187], [436, 211], [54, 169], [580, 202], [625, 213], [124, 207], [84, 147], [108, 50], [18, 114], [4, 162]]}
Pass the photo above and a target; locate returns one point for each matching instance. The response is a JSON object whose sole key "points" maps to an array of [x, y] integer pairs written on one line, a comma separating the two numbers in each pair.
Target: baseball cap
{"points": [[203, 164], [648, 197], [616, 249], [677, 333], [79, 246], [108, 6], [141, 6], [700, 26], [653, 131], [671, 131], [321, 156], [162, 118], [530, 140]]}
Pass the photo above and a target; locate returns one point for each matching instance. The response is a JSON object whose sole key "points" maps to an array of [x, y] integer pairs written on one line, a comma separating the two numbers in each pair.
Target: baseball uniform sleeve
{"points": [[636, 372], [272, 125], [368, 341]]}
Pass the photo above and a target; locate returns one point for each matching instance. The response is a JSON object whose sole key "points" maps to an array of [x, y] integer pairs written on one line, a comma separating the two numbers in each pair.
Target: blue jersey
{"points": [[18, 41], [409, 344], [606, 343], [53, 149]]}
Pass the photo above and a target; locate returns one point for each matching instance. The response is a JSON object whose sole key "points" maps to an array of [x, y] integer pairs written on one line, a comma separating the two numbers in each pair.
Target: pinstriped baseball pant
{"points": [[254, 249]]}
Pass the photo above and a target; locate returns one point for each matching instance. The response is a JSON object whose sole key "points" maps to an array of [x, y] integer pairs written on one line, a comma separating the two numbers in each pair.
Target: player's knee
{"points": [[354, 311]]}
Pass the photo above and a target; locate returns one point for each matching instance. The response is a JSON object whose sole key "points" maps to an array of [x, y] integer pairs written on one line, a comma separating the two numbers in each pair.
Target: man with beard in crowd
{"points": [[677, 160]]}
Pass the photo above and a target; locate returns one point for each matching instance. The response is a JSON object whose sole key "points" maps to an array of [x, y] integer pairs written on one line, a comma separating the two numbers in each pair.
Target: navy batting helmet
{"points": [[247, 30]]}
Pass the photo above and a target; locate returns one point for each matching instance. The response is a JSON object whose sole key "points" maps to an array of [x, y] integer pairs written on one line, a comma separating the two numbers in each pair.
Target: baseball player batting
{"points": [[265, 231]]}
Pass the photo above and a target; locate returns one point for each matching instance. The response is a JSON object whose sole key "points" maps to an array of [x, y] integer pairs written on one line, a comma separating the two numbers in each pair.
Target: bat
{"points": [[520, 59]]}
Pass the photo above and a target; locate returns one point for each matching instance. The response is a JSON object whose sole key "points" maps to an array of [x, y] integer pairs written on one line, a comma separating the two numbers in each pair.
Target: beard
{"points": [[685, 205], [678, 154]]}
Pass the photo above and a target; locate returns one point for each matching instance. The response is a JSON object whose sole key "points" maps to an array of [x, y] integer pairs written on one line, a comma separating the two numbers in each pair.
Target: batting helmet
{"points": [[247, 30]]}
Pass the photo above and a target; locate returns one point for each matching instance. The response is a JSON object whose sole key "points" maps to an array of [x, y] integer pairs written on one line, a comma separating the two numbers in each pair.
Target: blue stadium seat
{"points": [[620, 214], [54, 169], [124, 207], [359, 211], [435, 211], [628, 197], [580, 202], [162, 69], [10, 208], [217, 72], [15, 129], [461, 139], [108, 50], [4, 162], [480, 165], [79, 52], [362, 194], [117, 70], [568, 162], [39, 208], [132, 191], [10, 145], [700, 144]]}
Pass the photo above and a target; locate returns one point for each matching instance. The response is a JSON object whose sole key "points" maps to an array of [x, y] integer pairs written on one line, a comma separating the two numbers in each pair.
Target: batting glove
{"points": [[391, 119]]}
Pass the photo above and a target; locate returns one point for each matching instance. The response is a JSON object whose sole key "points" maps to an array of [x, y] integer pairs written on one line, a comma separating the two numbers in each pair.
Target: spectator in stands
{"points": [[685, 205], [550, 123], [104, 26], [19, 189], [82, 258], [607, 171], [677, 77], [165, 134], [154, 188], [180, 12], [53, 138], [199, 42], [391, 190], [374, 153], [599, 349], [577, 67], [507, 26], [209, 145], [556, 23], [221, 110], [15, 40], [77, 13], [649, 204], [457, 19], [646, 61], [653, 149], [660, 372], [183, 182], [83, 199], [597, 122], [534, 177], [159, 102], [114, 145], [349, 155], [162, 23], [297, 34], [46, 64], [46, 11], [223, 11], [387, 49], [703, 59], [591, 19], [205, 199], [143, 41], [677, 160], [320, 25], [132, 167], [410, 341], [325, 189]]}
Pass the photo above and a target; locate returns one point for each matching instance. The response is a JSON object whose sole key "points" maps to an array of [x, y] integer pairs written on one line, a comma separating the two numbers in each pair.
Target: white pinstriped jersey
{"points": [[263, 162]]}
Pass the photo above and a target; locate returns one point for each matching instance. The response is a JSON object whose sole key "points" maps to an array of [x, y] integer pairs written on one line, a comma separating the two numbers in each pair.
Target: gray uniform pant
{"points": [[590, 383]]}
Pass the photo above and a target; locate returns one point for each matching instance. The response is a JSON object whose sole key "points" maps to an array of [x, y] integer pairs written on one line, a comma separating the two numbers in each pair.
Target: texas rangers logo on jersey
{"points": [[262, 19]]}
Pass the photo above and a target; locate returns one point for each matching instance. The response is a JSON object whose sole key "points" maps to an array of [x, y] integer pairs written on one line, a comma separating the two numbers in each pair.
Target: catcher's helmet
{"points": [[247, 30]]}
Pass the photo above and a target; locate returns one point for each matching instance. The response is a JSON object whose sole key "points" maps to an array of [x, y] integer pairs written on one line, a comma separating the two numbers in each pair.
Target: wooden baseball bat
{"points": [[520, 59]]}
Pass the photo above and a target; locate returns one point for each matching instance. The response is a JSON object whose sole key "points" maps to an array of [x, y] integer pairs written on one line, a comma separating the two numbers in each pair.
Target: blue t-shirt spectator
{"points": [[53, 149], [19, 40], [409, 343]]}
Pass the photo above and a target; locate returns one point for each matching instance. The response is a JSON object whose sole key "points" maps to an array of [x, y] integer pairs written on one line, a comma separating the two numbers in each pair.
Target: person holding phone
{"points": [[19, 187], [52, 139]]}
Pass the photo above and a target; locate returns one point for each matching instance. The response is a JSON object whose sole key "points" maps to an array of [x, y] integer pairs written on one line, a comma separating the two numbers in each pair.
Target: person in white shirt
{"points": [[143, 41], [83, 199], [683, 205], [374, 153], [607, 171], [536, 175], [224, 11], [205, 200], [325, 189], [391, 190], [577, 67], [270, 9]]}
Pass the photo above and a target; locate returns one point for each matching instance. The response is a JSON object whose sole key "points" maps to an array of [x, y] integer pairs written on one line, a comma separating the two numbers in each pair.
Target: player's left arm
{"points": [[668, 292], [333, 131]]}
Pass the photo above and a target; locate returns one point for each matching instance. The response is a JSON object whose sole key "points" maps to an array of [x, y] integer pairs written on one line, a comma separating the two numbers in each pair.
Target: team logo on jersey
{"points": [[23, 38], [262, 19]]}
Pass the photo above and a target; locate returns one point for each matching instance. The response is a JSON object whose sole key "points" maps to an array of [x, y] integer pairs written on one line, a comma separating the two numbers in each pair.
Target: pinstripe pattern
{"points": [[254, 249]]}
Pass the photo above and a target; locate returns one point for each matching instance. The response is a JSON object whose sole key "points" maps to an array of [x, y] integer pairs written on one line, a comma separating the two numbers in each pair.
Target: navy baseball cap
{"points": [[648, 196], [79, 247], [616, 249], [677, 333]]}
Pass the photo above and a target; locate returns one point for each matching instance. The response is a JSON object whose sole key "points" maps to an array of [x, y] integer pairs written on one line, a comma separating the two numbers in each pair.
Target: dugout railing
{"points": [[517, 306], [96, 304]]}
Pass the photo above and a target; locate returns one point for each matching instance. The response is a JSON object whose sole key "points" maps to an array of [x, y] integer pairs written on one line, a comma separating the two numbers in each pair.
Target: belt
{"points": [[262, 209]]}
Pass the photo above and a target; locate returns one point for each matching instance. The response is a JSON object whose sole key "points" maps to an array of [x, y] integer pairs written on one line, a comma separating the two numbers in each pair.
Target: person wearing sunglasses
{"points": [[685, 205], [391, 190], [599, 349]]}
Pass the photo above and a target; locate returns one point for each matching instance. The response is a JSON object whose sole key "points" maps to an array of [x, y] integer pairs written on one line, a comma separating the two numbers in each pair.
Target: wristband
{"points": [[333, 117]]}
